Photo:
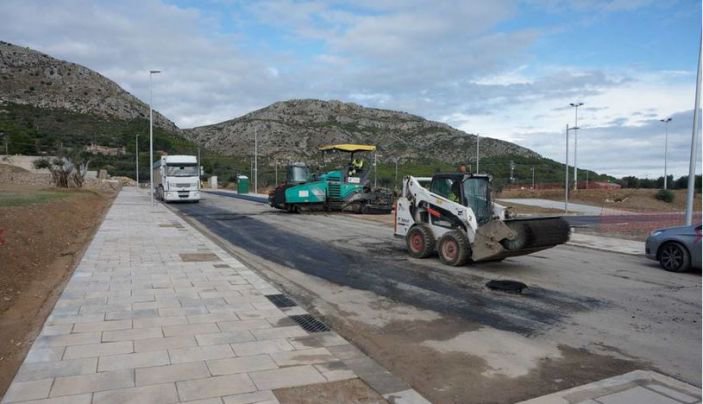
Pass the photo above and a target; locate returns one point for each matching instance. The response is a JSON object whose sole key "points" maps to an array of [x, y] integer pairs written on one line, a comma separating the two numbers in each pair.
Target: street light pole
{"points": [[533, 178], [151, 137], [136, 152], [478, 144], [694, 142], [576, 106], [666, 145], [256, 161]]}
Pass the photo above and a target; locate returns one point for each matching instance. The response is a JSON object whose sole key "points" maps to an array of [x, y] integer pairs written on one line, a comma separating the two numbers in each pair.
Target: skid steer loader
{"points": [[457, 218]]}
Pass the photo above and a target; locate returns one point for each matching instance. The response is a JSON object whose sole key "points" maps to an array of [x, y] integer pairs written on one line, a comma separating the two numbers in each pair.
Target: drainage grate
{"points": [[281, 301], [506, 286], [310, 323]]}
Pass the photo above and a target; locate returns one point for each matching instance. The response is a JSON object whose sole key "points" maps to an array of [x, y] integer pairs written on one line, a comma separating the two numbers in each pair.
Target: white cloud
{"points": [[442, 60]]}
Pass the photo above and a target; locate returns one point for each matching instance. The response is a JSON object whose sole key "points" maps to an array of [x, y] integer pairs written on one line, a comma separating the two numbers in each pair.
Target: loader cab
{"points": [[297, 173], [473, 191]]}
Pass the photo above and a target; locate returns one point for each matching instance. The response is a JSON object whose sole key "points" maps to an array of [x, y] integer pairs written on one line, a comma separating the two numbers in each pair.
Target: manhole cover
{"points": [[506, 286], [310, 323], [281, 300], [199, 257]]}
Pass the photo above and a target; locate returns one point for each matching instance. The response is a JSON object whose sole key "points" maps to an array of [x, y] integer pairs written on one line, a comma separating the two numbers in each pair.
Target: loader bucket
{"points": [[501, 239]]}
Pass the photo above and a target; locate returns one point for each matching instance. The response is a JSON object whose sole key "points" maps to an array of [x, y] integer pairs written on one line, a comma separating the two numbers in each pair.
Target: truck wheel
{"points": [[420, 241], [454, 248]]}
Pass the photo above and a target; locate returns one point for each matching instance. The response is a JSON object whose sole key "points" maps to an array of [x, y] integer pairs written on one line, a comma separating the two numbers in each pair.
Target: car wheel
{"points": [[673, 257]]}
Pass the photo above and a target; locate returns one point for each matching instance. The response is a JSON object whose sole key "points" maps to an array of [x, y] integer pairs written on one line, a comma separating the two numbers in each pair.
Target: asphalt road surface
{"points": [[586, 315]]}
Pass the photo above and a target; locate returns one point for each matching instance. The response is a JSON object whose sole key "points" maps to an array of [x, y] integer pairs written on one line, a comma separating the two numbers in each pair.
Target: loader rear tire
{"points": [[453, 248], [420, 241]]}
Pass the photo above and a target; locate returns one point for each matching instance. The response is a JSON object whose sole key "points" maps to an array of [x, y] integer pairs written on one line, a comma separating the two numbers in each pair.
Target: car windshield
{"points": [[181, 170]]}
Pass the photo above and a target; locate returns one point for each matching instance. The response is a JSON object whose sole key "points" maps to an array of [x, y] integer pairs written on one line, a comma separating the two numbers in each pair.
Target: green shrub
{"points": [[665, 195]]}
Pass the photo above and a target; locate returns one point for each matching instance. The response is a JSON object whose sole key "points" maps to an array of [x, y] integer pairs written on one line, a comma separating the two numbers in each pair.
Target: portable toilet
{"points": [[242, 184]]}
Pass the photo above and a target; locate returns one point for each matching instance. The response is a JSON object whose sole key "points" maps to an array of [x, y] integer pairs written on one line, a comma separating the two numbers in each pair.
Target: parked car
{"points": [[677, 249]]}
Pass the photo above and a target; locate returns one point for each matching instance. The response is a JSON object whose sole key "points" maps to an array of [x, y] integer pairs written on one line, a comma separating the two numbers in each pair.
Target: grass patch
{"points": [[10, 199]]}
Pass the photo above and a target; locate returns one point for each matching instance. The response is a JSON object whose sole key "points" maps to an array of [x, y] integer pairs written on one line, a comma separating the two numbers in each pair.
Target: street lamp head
{"points": [[154, 71], [667, 120], [576, 104]]}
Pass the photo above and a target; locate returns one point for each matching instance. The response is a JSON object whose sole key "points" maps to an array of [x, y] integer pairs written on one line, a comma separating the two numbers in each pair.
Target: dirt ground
{"points": [[639, 200], [43, 233]]}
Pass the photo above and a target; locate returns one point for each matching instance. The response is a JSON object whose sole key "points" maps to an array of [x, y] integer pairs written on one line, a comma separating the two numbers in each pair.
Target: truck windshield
{"points": [[181, 170], [477, 194]]}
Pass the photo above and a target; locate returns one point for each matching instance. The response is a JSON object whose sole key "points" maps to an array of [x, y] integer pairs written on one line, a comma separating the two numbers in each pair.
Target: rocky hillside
{"points": [[295, 129], [28, 77]]}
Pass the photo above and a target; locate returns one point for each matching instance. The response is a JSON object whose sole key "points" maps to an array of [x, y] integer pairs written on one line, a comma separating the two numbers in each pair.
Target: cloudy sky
{"points": [[506, 69]]}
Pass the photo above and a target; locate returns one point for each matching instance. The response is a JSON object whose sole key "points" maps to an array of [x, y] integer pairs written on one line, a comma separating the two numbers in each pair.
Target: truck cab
{"points": [[176, 178]]}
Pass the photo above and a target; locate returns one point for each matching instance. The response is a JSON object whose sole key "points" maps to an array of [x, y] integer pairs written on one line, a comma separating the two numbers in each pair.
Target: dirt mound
{"points": [[42, 236]]}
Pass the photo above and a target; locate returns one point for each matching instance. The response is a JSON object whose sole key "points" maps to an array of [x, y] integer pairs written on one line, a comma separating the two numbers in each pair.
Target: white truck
{"points": [[176, 178]]}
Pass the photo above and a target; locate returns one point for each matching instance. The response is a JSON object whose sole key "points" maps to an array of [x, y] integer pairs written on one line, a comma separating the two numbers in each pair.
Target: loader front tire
{"points": [[420, 241], [453, 248]]}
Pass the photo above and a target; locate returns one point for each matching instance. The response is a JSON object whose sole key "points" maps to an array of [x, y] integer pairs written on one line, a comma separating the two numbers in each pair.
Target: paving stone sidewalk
{"points": [[156, 312]]}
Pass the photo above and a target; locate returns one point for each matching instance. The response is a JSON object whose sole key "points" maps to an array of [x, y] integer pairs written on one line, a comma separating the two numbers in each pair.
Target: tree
{"points": [[67, 169]]}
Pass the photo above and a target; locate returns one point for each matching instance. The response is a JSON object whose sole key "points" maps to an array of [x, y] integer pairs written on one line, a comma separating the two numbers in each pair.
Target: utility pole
{"points": [[666, 145], [694, 143], [200, 173], [4, 138], [375, 170], [566, 173], [576, 106], [256, 161], [512, 168], [395, 183], [136, 159], [533, 178], [478, 144], [151, 137], [275, 164]]}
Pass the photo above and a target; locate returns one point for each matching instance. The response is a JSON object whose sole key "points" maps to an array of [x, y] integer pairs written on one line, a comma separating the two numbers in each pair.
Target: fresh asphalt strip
{"points": [[391, 274]]}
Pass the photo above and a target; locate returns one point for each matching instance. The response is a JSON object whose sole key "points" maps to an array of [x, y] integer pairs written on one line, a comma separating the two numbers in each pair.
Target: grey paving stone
{"points": [[66, 340], [64, 386], [324, 339], [224, 338], [376, 376], [266, 396], [243, 325], [133, 360], [30, 390], [171, 373], [159, 321], [638, 395], [63, 319], [132, 334], [61, 329], [286, 377], [215, 387], [684, 398], [48, 370], [44, 354], [212, 318], [102, 326], [261, 347], [200, 353], [303, 357], [240, 365], [102, 349], [279, 332], [159, 393], [132, 314], [190, 329], [157, 344], [77, 399], [344, 352]]}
